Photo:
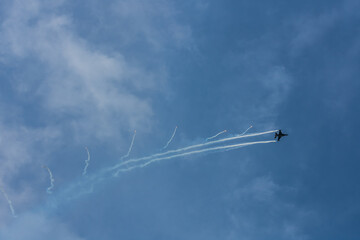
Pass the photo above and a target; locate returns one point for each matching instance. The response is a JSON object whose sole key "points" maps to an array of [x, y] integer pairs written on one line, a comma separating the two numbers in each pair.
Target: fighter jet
{"points": [[279, 135]]}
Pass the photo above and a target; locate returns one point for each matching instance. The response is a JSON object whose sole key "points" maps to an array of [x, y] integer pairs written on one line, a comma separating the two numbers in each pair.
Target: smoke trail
{"points": [[226, 147], [172, 136], [209, 138], [188, 148], [48, 190], [78, 188], [131, 145], [86, 161], [9, 202], [246, 131]]}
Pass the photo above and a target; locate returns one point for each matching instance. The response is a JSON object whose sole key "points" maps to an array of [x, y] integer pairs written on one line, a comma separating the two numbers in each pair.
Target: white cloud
{"points": [[79, 91], [101, 93], [267, 81], [277, 82], [310, 29], [19, 145], [37, 227], [22, 149], [260, 189], [258, 212], [154, 21]]}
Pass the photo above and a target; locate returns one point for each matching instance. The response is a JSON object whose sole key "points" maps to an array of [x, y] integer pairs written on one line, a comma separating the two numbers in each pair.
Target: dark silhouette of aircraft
{"points": [[279, 135]]}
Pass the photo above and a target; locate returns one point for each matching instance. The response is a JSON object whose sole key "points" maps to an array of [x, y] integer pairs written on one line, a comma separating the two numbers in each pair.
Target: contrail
{"points": [[48, 190], [86, 161], [9, 202], [246, 131], [188, 148], [131, 145], [226, 147], [172, 136], [209, 138]]}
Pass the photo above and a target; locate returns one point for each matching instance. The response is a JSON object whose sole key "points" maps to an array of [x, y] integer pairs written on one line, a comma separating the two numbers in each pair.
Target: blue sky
{"points": [[77, 75]]}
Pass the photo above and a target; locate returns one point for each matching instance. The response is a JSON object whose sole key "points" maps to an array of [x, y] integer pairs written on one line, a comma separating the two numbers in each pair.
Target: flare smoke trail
{"points": [[75, 188], [209, 138], [48, 190], [188, 148], [86, 161], [170, 140], [9, 202], [131, 145], [226, 147], [246, 131]]}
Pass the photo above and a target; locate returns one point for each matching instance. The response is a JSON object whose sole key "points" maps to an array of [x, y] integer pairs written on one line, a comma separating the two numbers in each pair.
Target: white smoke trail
{"points": [[75, 188], [9, 202], [86, 161], [209, 138], [226, 147], [131, 145], [48, 190], [188, 148], [170, 140], [246, 131]]}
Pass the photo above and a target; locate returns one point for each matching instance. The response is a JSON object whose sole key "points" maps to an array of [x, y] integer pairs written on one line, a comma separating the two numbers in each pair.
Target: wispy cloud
{"points": [[279, 218], [81, 93], [269, 80], [22, 146], [99, 91], [156, 22], [19, 144], [37, 226], [311, 28]]}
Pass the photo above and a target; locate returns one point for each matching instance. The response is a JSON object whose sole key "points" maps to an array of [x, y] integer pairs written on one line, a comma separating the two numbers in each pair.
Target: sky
{"points": [[77, 79]]}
